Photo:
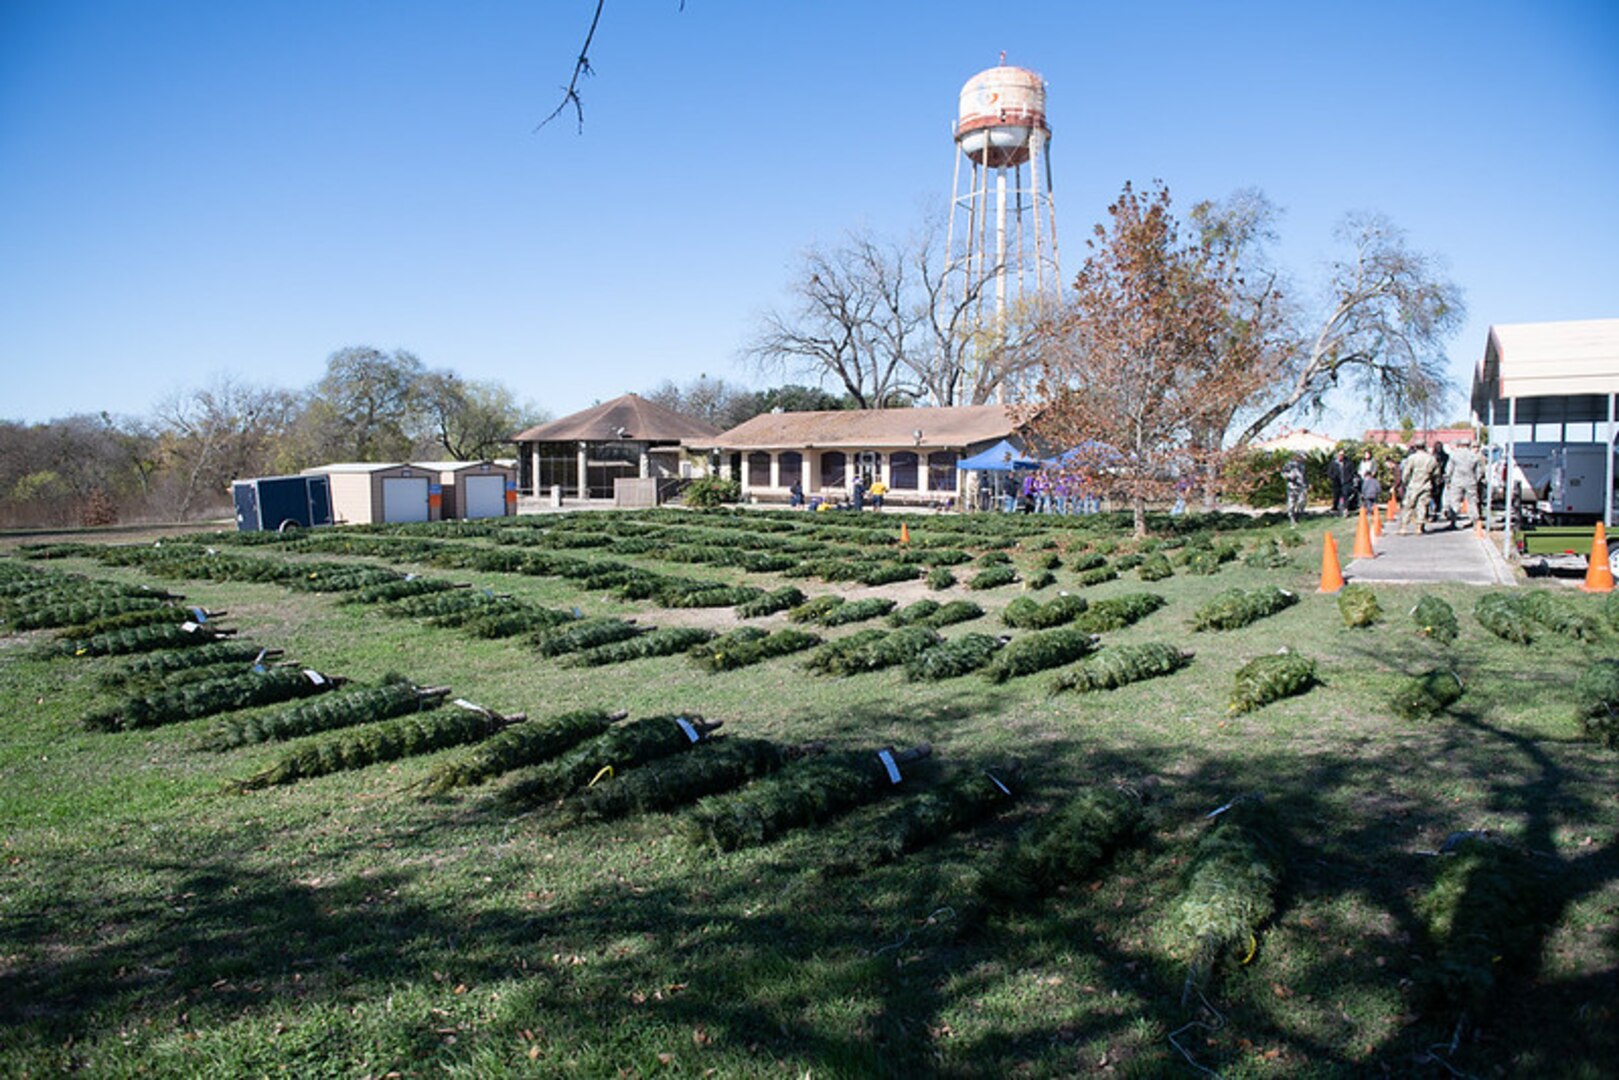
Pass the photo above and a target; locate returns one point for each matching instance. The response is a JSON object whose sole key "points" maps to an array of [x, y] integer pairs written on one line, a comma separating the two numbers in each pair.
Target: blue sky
{"points": [[191, 188]]}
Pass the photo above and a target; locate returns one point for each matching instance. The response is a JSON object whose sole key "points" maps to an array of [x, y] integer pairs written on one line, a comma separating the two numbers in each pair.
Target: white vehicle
{"points": [[1557, 481]]}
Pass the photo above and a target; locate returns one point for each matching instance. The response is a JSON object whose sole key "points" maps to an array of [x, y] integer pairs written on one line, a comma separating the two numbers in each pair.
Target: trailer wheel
{"points": [[1613, 561], [288, 526]]}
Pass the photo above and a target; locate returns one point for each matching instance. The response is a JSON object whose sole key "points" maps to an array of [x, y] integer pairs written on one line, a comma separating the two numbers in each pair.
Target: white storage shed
{"points": [[473, 489], [367, 492]]}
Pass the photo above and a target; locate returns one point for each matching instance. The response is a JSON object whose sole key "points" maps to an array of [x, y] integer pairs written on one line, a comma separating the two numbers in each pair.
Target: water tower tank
{"points": [[1000, 109]]}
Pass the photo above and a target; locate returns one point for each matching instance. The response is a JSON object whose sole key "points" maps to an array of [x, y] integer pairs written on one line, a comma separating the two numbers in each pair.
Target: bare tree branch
{"points": [[581, 68]]}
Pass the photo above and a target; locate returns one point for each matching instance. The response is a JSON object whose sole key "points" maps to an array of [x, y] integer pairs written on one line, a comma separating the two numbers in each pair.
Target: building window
{"points": [[758, 469], [942, 470], [833, 464], [559, 467], [791, 466], [902, 470]]}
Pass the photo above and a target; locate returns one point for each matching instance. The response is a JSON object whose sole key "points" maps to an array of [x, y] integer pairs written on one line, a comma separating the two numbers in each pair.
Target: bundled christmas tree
{"points": [[389, 592], [855, 611], [1120, 665], [814, 608], [1560, 615], [141, 639], [807, 792], [1265, 679], [886, 573], [965, 654], [518, 746], [386, 740], [960, 799], [1039, 651], [871, 650], [603, 756], [1481, 920], [1097, 576], [82, 610], [1117, 612], [1039, 579], [162, 615], [1596, 697], [1435, 619], [715, 766], [1358, 606], [916, 614], [993, 578], [442, 604], [941, 578], [514, 620], [1154, 566], [1427, 695], [1229, 888], [663, 641], [340, 577], [1505, 616], [1268, 553], [208, 698], [1236, 608], [749, 645], [1026, 613], [712, 594], [583, 634], [1063, 848], [789, 596], [346, 708], [158, 664]]}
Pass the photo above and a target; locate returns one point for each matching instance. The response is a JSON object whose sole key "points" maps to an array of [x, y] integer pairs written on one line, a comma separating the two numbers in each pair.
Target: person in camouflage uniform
{"points": [[1416, 477], [1461, 480]]}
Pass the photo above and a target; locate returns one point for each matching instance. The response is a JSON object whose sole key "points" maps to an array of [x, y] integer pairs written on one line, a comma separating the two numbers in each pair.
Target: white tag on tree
{"points": [[188, 626], [314, 676], [685, 725], [465, 704], [887, 758]]}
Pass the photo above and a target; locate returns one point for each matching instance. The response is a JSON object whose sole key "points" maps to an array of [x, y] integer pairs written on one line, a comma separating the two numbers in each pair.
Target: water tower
{"points": [[1002, 237]]}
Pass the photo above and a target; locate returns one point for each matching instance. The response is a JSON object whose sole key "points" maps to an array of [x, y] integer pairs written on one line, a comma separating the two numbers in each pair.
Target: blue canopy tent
{"points": [[1092, 452], [1002, 457]]}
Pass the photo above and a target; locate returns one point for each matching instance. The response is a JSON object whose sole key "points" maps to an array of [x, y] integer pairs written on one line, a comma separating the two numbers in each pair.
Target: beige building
{"points": [[913, 451], [366, 492], [471, 489], [585, 454]]}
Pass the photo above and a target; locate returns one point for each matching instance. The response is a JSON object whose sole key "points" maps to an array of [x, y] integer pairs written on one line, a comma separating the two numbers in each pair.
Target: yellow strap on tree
{"points": [[1253, 947], [606, 770]]}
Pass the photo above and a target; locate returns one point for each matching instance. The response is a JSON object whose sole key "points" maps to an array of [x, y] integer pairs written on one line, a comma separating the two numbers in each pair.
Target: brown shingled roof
{"points": [[856, 428], [627, 417]]}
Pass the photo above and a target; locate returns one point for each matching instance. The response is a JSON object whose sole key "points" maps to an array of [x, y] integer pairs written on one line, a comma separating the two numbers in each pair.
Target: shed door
{"points": [[483, 496], [404, 498]]}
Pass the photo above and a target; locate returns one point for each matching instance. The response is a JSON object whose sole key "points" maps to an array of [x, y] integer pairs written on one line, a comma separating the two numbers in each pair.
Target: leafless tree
{"points": [[217, 433]]}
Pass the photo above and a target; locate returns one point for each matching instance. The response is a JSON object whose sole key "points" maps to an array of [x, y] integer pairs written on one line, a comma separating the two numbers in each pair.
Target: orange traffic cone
{"points": [[904, 533], [1377, 523], [1332, 578], [1394, 509], [1478, 526], [1598, 578], [1363, 539]]}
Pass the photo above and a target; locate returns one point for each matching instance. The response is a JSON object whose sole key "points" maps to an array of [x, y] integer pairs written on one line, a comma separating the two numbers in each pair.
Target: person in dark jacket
{"points": [[1341, 478]]}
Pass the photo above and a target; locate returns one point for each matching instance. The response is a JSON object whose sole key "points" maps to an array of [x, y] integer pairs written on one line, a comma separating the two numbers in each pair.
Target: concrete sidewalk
{"points": [[1438, 555]]}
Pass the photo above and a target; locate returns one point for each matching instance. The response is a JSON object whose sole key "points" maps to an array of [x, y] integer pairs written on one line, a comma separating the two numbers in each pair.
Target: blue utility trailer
{"points": [[278, 503]]}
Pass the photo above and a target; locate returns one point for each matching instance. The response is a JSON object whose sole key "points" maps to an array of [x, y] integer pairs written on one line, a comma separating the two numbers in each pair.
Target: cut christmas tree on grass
{"points": [[519, 746], [1065, 847], [748, 645], [964, 796], [601, 757], [1118, 612], [854, 611], [579, 634], [210, 698], [1265, 679], [1236, 608], [1596, 697], [1027, 613], [871, 650], [1563, 615], [141, 639], [1481, 920], [715, 766], [1229, 889], [1427, 695], [1435, 619], [993, 578], [1120, 665], [156, 665], [345, 708], [960, 656], [1358, 606], [1505, 616], [663, 641], [386, 740], [1039, 651], [807, 792], [789, 596]]}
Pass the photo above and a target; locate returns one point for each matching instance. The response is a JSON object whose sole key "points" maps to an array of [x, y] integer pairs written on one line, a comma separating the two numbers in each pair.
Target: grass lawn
{"points": [[155, 921]]}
